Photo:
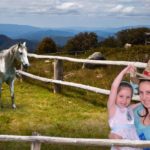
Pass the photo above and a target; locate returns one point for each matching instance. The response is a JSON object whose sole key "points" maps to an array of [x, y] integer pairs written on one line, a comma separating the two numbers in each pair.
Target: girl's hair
{"points": [[124, 84], [146, 109]]}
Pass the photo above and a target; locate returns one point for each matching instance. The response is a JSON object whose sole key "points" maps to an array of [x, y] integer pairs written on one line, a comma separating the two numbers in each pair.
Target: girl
{"points": [[121, 120]]}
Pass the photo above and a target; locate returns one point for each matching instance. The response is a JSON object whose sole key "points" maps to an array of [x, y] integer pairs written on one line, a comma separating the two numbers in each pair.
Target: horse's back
{"points": [[2, 65], [7, 71]]}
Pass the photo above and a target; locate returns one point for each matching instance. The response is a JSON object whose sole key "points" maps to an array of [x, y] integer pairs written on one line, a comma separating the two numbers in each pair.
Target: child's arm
{"points": [[113, 92]]}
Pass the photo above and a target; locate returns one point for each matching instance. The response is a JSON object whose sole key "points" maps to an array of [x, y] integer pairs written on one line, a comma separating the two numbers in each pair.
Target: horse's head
{"points": [[21, 54]]}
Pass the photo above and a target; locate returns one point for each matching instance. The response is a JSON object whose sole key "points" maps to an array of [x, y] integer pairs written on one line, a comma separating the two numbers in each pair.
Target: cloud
{"points": [[75, 12], [128, 10], [68, 6], [76, 7], [122, 9], [117, 8]]}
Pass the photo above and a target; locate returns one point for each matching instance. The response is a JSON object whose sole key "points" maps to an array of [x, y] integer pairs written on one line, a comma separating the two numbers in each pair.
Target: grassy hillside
{"points": [[38, 109], [73, 113]]}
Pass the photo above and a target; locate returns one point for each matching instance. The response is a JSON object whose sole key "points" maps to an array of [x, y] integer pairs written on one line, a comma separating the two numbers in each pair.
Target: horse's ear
{"points": [[24, 44], [19, 44]]}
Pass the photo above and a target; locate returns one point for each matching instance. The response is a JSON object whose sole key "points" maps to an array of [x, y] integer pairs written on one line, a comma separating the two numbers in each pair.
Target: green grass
{"points": [[74, 113], [39, 110]]}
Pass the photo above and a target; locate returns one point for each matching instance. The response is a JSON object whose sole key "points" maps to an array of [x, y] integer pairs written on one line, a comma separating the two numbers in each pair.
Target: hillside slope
{"points": [[74, 112], [6, 42]]}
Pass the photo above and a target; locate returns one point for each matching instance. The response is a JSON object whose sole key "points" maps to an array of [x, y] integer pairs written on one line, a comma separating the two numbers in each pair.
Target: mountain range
{"points": [[36, 33], [12, 33], [6, 42]]}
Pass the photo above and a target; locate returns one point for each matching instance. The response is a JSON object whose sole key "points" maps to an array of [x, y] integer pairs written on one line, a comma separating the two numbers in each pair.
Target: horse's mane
{"points": [[6, 51]]}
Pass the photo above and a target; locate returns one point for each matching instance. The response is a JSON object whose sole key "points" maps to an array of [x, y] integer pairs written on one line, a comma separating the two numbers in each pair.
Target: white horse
{"points": [[7, 68]]}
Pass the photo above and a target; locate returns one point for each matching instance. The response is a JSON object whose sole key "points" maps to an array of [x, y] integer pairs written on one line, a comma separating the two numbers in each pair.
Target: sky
{"points": [[75, 13]]}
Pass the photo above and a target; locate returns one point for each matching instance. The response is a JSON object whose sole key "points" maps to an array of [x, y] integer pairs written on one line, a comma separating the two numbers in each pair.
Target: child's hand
{"points": [[133, 77], [128, 69], [132, 70]]}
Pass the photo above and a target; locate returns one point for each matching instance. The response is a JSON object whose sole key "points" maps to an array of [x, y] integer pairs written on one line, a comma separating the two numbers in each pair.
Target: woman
{"points": [[142, 111]]}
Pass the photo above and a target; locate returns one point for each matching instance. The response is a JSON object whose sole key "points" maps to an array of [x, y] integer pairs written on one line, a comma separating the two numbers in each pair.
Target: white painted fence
{"points": [[37, 140], [103, 62], [86, 87], [77, 85]]}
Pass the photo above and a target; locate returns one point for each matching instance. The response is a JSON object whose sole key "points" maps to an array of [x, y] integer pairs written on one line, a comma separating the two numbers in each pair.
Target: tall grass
{"points": [[73, 113], [39, 110]]}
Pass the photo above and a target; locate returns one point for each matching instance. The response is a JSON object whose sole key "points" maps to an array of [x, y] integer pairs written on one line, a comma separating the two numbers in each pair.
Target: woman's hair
{"points": [[146, 109], [125, 84], [143, 80], [143, 115]]}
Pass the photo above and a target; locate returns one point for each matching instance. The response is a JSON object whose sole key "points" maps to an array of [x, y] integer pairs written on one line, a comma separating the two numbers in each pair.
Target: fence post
{"points": [[58, 74], [35, 145]]}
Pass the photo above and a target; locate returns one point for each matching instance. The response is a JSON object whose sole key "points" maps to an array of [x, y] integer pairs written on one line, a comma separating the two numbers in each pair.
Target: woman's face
{"points": [[144, 93]]}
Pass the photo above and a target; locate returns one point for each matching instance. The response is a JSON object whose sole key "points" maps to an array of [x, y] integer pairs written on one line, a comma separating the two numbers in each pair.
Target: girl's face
{"points": [[124, 97], [144, 93]]}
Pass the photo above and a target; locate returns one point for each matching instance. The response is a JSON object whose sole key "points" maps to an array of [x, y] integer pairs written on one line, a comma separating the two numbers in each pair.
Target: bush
{"points": [[82, 42], [47, 45]]}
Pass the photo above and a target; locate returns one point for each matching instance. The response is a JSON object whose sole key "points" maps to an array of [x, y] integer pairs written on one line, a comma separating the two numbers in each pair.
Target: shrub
{"points": [[47, 45]]}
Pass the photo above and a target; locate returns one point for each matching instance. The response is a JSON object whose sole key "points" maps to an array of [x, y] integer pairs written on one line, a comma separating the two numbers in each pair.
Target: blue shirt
{"points": [[143, 131]]}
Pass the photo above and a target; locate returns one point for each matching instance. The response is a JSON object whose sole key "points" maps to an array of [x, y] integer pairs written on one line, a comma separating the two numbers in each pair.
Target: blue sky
{"points": [[75, 13]]}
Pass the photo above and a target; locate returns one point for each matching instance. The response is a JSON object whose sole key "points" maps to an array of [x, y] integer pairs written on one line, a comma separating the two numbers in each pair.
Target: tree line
{"points": [[87, 40]]}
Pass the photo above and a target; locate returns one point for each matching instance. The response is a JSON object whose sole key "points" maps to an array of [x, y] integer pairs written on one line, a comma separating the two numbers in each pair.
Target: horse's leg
{"points": [[11, 85], [1, 104]]}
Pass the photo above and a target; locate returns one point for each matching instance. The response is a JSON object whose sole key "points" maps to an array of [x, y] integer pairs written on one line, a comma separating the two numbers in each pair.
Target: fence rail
{"points": [[58, 72], [73, 141], [77, 85], [104, 62], [37, 140]]}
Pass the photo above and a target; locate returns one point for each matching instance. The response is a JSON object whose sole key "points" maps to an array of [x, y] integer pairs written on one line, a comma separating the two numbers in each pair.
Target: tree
{"points": [[109, 42], [82, 42], [47, 45], [133, 36]]}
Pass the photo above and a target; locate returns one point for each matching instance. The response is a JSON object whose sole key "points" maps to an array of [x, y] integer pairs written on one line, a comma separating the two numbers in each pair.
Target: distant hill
{"points": [[15, 31], [117, 29], [35, 33], [46, 32], [102, 31], [59, 35], [6, 42]]}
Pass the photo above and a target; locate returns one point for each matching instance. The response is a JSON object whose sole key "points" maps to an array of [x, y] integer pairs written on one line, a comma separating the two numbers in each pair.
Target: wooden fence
{"points": [[58, 72], [36, 140], [103, 62]]}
